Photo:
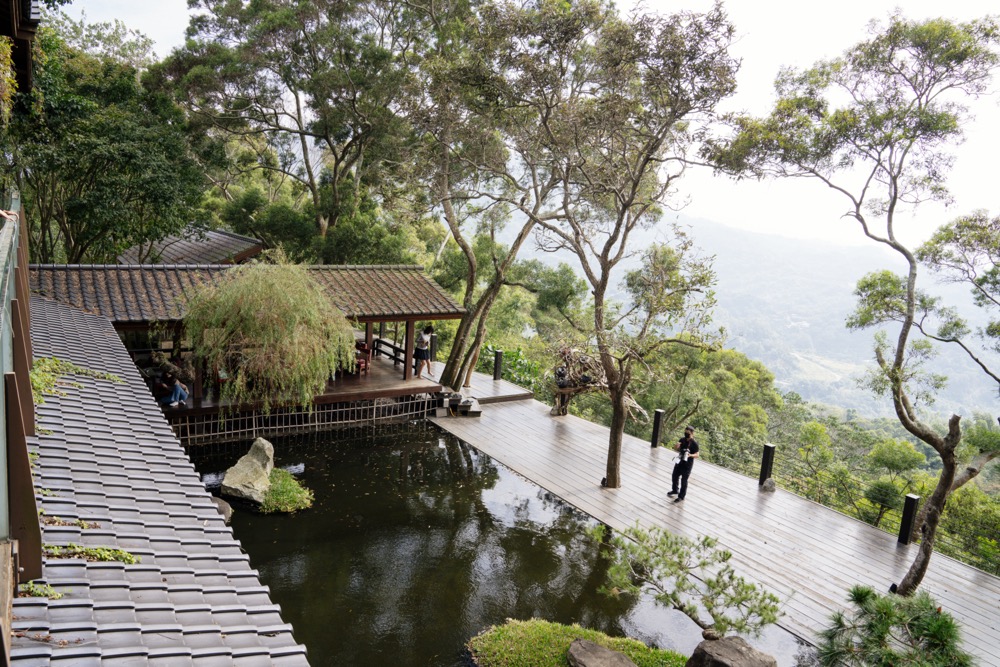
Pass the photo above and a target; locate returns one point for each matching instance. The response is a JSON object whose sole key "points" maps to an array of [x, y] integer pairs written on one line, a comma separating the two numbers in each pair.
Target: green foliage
{"points": [[970, 528], [107, 40], [277, 223], [286, 494], [8, 82], [892, 630], [273, 330], [101, 163], [688, 576], [94, 554], [34, 590], [47, 373], [279, 80], [538, 643], [364, 238], [517, 368], [966, 251], [896, 457]]}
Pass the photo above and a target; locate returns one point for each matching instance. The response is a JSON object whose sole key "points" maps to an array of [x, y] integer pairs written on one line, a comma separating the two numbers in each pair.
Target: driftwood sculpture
{"points": [[578, 373]]}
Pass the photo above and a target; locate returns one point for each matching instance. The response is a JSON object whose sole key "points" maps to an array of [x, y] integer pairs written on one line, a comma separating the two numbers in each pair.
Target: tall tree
{"points": [[488, 87], [102, 163], [641, 85], [874, 126], [317, 83]]}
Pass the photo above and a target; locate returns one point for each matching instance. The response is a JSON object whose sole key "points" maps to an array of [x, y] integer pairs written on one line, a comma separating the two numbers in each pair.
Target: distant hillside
{"points": [[784, 302]]}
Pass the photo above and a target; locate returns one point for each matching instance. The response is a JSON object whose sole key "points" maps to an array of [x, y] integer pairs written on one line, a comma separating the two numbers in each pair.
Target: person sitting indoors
{"points": [[178, 391]]}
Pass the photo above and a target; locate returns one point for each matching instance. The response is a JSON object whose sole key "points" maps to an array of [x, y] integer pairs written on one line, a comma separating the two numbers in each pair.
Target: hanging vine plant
{"points": [[271, 332]]}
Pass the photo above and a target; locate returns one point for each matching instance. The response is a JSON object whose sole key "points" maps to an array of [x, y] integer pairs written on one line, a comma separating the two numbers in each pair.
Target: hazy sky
{"points": [[771, 33]]}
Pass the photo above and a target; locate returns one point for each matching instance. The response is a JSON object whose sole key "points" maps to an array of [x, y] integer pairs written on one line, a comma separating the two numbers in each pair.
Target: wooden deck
{"points": [[384, 380], [807, 554], [487, 390]]}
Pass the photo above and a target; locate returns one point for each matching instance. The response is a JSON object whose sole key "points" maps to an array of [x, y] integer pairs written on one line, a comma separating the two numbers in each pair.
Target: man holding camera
{"points": [[687, 452]]}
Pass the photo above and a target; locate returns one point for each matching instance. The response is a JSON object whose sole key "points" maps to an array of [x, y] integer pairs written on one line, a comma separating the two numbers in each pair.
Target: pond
{"points": [[417, 542]]}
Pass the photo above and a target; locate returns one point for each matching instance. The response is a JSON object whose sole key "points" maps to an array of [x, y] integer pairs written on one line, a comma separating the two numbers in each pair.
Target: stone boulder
{"points": [[583, 653], [729, 652], [768, 486], [225, 509], [250, 478]]}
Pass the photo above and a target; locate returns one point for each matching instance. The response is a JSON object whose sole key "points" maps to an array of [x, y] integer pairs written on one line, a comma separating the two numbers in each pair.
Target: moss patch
{"points": [[538, 643], [286, 494]]}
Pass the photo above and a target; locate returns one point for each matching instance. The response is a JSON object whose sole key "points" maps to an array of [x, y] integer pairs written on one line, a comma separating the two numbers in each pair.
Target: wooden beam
{"points": [[24, 526], [21, 340]]}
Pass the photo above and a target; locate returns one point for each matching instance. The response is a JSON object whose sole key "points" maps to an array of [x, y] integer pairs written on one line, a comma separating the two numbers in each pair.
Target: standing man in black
{"points": [[687, 452]]}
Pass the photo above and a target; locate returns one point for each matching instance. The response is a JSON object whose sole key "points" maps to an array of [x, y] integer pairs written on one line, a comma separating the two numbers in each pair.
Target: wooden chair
{"points": [[363, 358]]}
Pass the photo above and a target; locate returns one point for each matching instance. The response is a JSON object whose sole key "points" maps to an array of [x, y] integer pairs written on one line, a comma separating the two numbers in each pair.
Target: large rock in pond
{"points": [[583, 653], [729, 652], [250, 478]]}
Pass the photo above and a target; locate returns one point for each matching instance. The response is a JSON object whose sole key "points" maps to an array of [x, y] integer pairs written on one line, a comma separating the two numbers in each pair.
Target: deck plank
{"points": [[807, 554]]}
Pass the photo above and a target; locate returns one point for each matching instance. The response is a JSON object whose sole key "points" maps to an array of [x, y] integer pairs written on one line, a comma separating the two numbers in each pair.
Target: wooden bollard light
{"points": [[657, 424]]}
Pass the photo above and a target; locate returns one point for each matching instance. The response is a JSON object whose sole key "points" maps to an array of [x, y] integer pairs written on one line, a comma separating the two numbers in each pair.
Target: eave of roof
{"points": [[197, 246], [135, 294]]}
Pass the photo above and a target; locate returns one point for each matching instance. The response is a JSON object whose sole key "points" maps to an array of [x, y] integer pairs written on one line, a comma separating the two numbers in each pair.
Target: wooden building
{"points": [[145, 304]]}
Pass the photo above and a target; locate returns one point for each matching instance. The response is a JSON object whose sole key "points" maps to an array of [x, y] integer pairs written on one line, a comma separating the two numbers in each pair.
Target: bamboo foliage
{"points": [[271, 333]]}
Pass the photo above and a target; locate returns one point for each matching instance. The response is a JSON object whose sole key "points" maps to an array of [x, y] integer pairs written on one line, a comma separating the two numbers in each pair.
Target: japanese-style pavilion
{"points": [[145, 303], [137, 298]]}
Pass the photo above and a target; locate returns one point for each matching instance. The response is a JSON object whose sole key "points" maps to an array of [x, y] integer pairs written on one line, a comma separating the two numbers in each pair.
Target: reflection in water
{"points": [[416, 542]]}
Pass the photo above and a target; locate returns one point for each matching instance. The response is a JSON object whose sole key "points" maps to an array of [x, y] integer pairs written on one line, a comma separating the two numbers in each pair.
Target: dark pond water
{"points": [[417, 542]]}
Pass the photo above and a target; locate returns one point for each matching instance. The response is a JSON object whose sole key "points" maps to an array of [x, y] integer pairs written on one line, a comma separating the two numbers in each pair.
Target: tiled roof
{"points": [[107, 457], [156, 292], [198, 246]]}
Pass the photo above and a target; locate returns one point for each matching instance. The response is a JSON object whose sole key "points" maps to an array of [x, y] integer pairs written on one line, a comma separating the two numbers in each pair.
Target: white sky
{"points": [[770, 34]]}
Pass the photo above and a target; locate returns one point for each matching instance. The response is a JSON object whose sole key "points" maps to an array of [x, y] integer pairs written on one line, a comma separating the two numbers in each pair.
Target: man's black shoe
{"points": [[672, 494], [677, 500]]}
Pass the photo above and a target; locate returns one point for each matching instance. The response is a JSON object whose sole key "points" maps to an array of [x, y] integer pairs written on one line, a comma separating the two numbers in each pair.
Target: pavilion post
{"points": [[408, 354], [497, 364]]}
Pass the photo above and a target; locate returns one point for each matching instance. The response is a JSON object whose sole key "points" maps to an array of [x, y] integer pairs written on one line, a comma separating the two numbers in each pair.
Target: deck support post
{"points": [[910, 505], [497, 364], [766, 464], [434, 347], [408, 360], [657, 424]]}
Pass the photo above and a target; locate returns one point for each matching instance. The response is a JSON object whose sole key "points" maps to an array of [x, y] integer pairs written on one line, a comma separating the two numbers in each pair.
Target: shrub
{"points": [[286, 494], [892, 630]]}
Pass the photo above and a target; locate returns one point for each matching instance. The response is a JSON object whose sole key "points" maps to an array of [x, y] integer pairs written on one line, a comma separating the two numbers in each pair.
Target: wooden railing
{"points": [[20, 532], [385, 348]]}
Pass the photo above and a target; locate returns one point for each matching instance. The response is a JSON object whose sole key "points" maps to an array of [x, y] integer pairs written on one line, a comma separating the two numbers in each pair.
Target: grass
{"points": [[92, 554], [286, 494], [538, 643]]}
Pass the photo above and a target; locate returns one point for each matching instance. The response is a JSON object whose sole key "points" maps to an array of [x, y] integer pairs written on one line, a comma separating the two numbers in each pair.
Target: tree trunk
{"points": [[618, 414], [933, 509]]}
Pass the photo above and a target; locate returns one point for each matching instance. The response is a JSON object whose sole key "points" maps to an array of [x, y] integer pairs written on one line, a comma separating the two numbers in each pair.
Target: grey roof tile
{"points": [[30, 652], [194, 592]]}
